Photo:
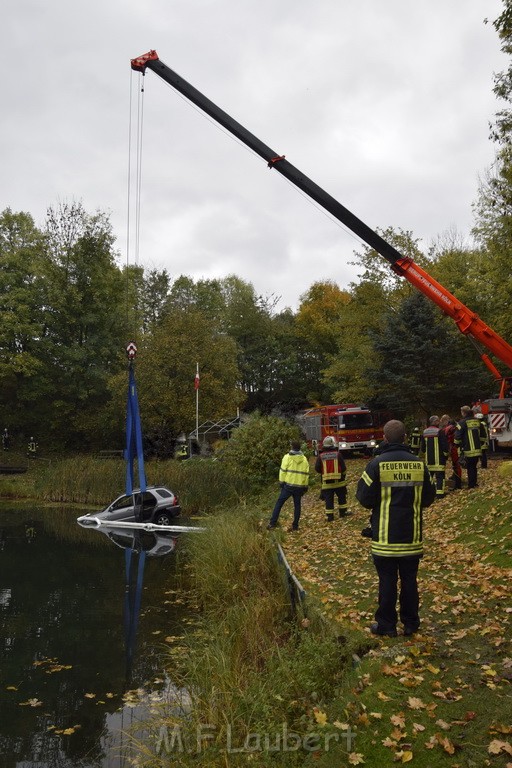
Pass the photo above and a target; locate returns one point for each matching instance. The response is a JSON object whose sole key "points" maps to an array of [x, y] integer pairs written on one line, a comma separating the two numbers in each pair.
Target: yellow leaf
{"points": [[90, 695], [11, 688], [320, 717], [407, 756], [355, 758]]}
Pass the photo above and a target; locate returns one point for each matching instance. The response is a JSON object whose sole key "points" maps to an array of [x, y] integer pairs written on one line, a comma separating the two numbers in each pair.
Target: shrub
{"points": [[258, 447]]}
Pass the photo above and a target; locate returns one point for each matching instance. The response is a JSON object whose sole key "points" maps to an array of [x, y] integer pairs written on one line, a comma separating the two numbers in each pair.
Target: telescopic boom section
{"points": [[467, 321]]}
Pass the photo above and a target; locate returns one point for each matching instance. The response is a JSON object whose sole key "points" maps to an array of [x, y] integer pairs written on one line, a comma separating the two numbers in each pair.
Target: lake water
{"points": [[83, 625]]}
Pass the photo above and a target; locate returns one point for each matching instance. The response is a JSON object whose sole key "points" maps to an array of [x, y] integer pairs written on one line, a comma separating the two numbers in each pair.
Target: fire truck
{"points": [[485, 339], [352, 426]]}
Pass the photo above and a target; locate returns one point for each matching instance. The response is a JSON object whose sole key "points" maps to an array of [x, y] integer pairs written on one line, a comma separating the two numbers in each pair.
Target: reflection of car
{"points": [[156, 505], [154, 544]]}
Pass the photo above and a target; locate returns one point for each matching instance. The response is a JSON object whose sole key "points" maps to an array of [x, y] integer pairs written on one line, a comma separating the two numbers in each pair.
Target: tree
{"points": [[166, 365], [423, 367], [85, 323], [21, 301]]}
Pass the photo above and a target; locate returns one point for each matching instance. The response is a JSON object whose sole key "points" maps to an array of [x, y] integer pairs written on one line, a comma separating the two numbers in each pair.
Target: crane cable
{"points": [[134, 185]]}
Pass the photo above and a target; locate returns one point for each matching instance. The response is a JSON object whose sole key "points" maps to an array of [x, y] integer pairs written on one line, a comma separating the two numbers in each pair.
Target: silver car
{"points": [[156, 505]]}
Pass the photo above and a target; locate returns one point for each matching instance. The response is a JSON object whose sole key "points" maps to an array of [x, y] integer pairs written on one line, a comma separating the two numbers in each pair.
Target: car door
{"points": [[122, 509]]}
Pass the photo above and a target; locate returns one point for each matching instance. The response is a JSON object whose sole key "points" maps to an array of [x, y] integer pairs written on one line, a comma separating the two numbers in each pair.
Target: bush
{"points": [[258, 447]]}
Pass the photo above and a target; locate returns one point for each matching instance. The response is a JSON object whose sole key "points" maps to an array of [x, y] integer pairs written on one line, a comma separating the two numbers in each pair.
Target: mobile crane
{"points": [[484, 339]]}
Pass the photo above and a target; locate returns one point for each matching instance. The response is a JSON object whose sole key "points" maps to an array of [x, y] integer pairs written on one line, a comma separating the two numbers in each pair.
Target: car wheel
{"points": [[162, 518]]}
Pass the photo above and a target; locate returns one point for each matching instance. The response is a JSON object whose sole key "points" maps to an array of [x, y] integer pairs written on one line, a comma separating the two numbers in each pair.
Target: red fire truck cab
{"points": [[352, 427]]}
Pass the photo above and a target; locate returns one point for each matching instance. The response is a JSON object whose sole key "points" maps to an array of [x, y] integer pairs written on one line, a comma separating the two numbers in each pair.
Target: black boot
{"points": [[330, 517]]}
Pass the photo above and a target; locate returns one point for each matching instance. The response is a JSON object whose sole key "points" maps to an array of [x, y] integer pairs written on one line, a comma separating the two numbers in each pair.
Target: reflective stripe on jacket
{"points": [[294, 470], [434, 446], [331, 464], [484, 435], [396, 486], [467, 436]]}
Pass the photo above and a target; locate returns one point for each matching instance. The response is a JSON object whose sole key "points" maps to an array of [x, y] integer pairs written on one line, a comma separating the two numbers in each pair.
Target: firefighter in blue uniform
{"points": [[415, 441], [396, 486], [484, 439], [468, 441], [435, 450]]}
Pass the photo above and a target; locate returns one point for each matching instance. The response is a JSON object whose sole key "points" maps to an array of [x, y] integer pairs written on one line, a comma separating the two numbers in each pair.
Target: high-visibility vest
{"points": [[333, 473], [294, 470]]}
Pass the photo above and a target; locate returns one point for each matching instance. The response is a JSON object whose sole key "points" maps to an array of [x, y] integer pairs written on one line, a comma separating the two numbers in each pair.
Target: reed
{"points": [[253, 667], [201, 484]]}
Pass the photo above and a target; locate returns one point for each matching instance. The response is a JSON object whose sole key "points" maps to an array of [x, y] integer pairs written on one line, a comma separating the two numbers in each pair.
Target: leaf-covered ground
{"points": [[443, 697]]}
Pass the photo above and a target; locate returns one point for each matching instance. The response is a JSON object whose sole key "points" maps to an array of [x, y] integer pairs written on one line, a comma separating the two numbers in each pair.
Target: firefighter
{"points": [[434, 449], [181, 452], [396, 486], [415, 441], [6, 440], [484, 439], [294, 480], [331, 465], [32, 448], [448, 425], [467, 439]]}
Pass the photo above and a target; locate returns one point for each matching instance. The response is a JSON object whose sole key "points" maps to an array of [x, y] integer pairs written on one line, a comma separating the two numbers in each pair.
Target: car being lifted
{"points": [[157, 505]]}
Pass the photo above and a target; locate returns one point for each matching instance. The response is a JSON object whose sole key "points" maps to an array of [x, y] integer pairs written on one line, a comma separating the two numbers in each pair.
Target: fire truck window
{"points": [[356, 420], [333, 421]]}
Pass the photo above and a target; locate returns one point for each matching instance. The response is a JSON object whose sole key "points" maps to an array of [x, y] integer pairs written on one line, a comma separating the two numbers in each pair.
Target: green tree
{"points": [[166, 366], [85, 324], [21, 302], [423, 367]]}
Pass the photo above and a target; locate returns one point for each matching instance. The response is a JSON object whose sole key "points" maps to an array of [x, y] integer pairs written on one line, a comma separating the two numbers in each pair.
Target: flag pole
{"points": [[197, 401]]}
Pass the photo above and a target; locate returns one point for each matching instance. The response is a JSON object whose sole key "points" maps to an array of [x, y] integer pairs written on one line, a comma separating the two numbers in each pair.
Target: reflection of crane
{"points": [[483, 337], [135, 560]]}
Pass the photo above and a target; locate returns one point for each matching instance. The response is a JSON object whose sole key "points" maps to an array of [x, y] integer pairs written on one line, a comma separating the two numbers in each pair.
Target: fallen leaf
{"points": [[320, 717]]}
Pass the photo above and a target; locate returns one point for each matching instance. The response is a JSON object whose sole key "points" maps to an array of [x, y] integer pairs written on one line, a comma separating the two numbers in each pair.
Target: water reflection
{"points": [[72, 607]]}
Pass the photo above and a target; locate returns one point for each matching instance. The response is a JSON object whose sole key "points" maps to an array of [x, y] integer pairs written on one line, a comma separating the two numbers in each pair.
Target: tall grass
{"points": [[201, 485], [252, 666]]}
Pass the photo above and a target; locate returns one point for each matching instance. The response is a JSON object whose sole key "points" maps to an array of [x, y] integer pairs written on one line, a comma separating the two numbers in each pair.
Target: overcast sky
{"points": [[386, 105]]}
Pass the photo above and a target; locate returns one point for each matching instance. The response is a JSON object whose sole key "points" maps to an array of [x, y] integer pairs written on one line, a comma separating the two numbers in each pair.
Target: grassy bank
{"points": [[256, 674], [444, 697]]}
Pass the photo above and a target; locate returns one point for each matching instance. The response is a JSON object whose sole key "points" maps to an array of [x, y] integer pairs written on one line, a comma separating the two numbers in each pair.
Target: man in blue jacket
{"points": [[396, 486]]}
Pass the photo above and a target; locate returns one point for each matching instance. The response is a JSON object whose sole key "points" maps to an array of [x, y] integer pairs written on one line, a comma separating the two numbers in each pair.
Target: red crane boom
{"points": [[467, 321]]}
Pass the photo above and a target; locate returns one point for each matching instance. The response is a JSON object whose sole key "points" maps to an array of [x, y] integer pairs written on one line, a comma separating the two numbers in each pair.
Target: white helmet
{"points": [[329, 442], [479, 415]]}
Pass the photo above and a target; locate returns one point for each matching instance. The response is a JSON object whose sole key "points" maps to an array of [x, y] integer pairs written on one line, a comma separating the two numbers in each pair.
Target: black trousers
{"points": [[471, 464], [389, 569]]}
